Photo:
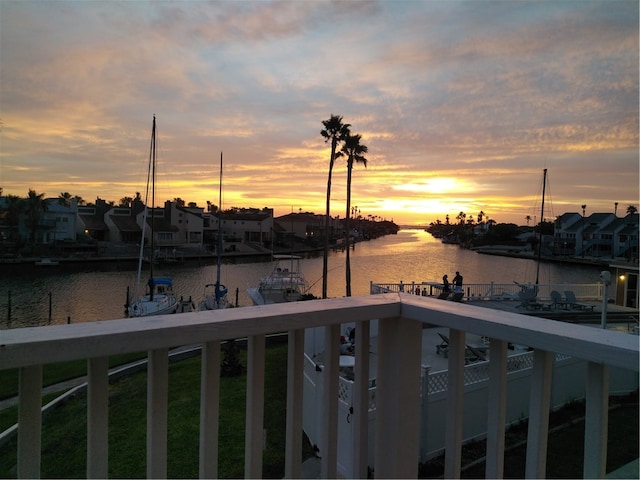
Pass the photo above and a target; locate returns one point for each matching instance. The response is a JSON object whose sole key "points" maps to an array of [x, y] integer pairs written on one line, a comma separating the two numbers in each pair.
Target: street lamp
{"points": [[606, 280], [584, 209]]}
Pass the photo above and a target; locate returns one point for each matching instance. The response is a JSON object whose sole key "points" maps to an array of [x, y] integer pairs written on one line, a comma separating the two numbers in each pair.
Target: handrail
{"points": [[492, 290], [401, 316]]}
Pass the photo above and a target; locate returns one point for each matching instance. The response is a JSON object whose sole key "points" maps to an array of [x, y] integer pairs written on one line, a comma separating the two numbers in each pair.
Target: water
{"points": [[411, 255]]}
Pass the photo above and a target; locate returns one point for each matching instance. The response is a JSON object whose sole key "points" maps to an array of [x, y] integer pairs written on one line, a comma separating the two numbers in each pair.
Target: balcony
{"points": [[397, 433]]}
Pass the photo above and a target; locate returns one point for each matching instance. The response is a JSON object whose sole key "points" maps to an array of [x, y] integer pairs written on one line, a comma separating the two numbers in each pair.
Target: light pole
{"points": [[606, 280], [584, 209]]}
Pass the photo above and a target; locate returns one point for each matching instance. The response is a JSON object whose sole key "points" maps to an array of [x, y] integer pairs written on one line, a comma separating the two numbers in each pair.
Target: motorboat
{"points": [[284, 284]]}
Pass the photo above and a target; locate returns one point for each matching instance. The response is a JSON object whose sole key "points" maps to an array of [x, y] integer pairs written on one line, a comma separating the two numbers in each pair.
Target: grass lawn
{"points": [[64, 429]]}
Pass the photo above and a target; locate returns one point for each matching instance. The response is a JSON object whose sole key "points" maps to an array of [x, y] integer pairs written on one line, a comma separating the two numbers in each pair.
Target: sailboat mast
{"points": [[153, 196], [544, 187], [219, 248]]}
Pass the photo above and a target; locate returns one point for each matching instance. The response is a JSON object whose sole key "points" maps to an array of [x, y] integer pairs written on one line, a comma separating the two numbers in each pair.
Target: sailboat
{"points": [[159, 298], [217, 299], [528, 294]]}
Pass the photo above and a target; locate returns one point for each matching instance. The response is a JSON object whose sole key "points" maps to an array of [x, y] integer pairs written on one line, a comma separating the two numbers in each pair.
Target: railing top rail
{"points": [[30, 346], [49, 344], [586, 342]]}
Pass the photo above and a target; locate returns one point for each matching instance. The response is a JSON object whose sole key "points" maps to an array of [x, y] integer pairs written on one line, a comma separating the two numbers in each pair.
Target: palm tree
{"points": [[631, 209], [65, 198], [336, 131], [354, 151], [14, 205], [125, 202], [35, 206], [528, 219]]}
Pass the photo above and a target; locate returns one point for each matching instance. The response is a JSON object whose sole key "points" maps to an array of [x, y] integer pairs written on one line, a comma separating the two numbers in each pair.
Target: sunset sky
{"points": [[461, 104]]}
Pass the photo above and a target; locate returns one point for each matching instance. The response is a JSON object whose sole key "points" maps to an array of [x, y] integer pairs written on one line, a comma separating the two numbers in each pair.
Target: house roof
{"points": [[92, 222], [124, 223], [162, 225]]}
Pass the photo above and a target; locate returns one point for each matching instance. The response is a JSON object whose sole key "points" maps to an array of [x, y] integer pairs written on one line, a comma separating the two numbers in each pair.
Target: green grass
{"points": [[64, 429], [58, 372], [565, 450]]}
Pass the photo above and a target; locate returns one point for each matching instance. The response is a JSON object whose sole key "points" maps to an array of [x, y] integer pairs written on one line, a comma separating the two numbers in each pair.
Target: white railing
{"points": [[398, 378], [492, 291]]}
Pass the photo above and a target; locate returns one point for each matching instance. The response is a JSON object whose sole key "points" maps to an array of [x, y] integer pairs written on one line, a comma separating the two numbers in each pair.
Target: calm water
{"points": [[411, 255]]}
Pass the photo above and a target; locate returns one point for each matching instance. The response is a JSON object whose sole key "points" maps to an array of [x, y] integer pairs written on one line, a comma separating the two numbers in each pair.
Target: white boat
{"points": [[46, 262], [159, 298], [285, 283], [215, 296]]}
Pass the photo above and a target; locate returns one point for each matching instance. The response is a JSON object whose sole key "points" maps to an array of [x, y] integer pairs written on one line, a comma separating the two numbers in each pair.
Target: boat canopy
{"points": [[162, 281]]}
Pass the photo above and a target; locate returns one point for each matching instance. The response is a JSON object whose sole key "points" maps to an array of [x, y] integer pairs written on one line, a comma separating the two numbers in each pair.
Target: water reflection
{"points": [[411, 255]]}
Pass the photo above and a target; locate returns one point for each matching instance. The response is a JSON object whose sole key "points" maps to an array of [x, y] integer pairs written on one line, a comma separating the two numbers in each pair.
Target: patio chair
{"points": [[443, 346], [528, 299], [556, 300], [457, 297], [472, 354], [573, 302]]}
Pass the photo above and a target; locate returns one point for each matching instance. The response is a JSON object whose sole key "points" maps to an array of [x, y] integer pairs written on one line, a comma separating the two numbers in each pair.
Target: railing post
{"points": [[397, 438], [29, 422], [497, 406], [254, 431], [295, 386], [424, 414], [209, 409], [539, 405], [157, 408], [596, 421], [361, 401], [329, 433], [98, 418], [455, 397]]}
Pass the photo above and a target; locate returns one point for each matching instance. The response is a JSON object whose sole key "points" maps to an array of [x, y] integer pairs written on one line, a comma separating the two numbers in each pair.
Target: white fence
{"points": [[568, 385]]}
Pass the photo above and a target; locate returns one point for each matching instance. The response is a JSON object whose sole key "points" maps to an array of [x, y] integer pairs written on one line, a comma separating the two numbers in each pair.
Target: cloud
{"points": [[486, 93]]}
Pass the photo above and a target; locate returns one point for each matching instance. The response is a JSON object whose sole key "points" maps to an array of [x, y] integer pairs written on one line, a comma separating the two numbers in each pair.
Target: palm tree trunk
{"points": [[325, 257], [348, 227]]}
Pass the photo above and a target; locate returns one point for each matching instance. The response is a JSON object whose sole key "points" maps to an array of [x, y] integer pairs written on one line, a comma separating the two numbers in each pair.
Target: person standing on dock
{"points": [[445, 284], [457, 283]]}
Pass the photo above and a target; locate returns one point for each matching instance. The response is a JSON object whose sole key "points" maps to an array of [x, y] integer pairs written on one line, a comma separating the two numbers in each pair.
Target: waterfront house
{"points": [[600, 235]]}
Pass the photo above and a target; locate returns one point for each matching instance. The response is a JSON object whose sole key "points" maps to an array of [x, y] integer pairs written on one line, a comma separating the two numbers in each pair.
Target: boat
{"points": [[159, 298], [284, 284], [528, 294], [215, 296], [46, 262]]}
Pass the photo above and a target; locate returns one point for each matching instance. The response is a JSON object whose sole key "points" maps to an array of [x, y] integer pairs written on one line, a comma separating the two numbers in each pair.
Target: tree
{"points": [[65, 199], [461, 218], [631, 209], [334, 131], [35, 206], [528, 219], [354, 152], [125, 202], [11, 215]]}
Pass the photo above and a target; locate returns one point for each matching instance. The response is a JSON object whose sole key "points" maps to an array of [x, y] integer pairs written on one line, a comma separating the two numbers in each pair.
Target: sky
{"points": [[461, 104]]}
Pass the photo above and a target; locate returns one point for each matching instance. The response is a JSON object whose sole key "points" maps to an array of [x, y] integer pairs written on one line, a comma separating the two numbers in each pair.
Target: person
{"points": [[445, 284], [457, 282], [417, 290]]}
